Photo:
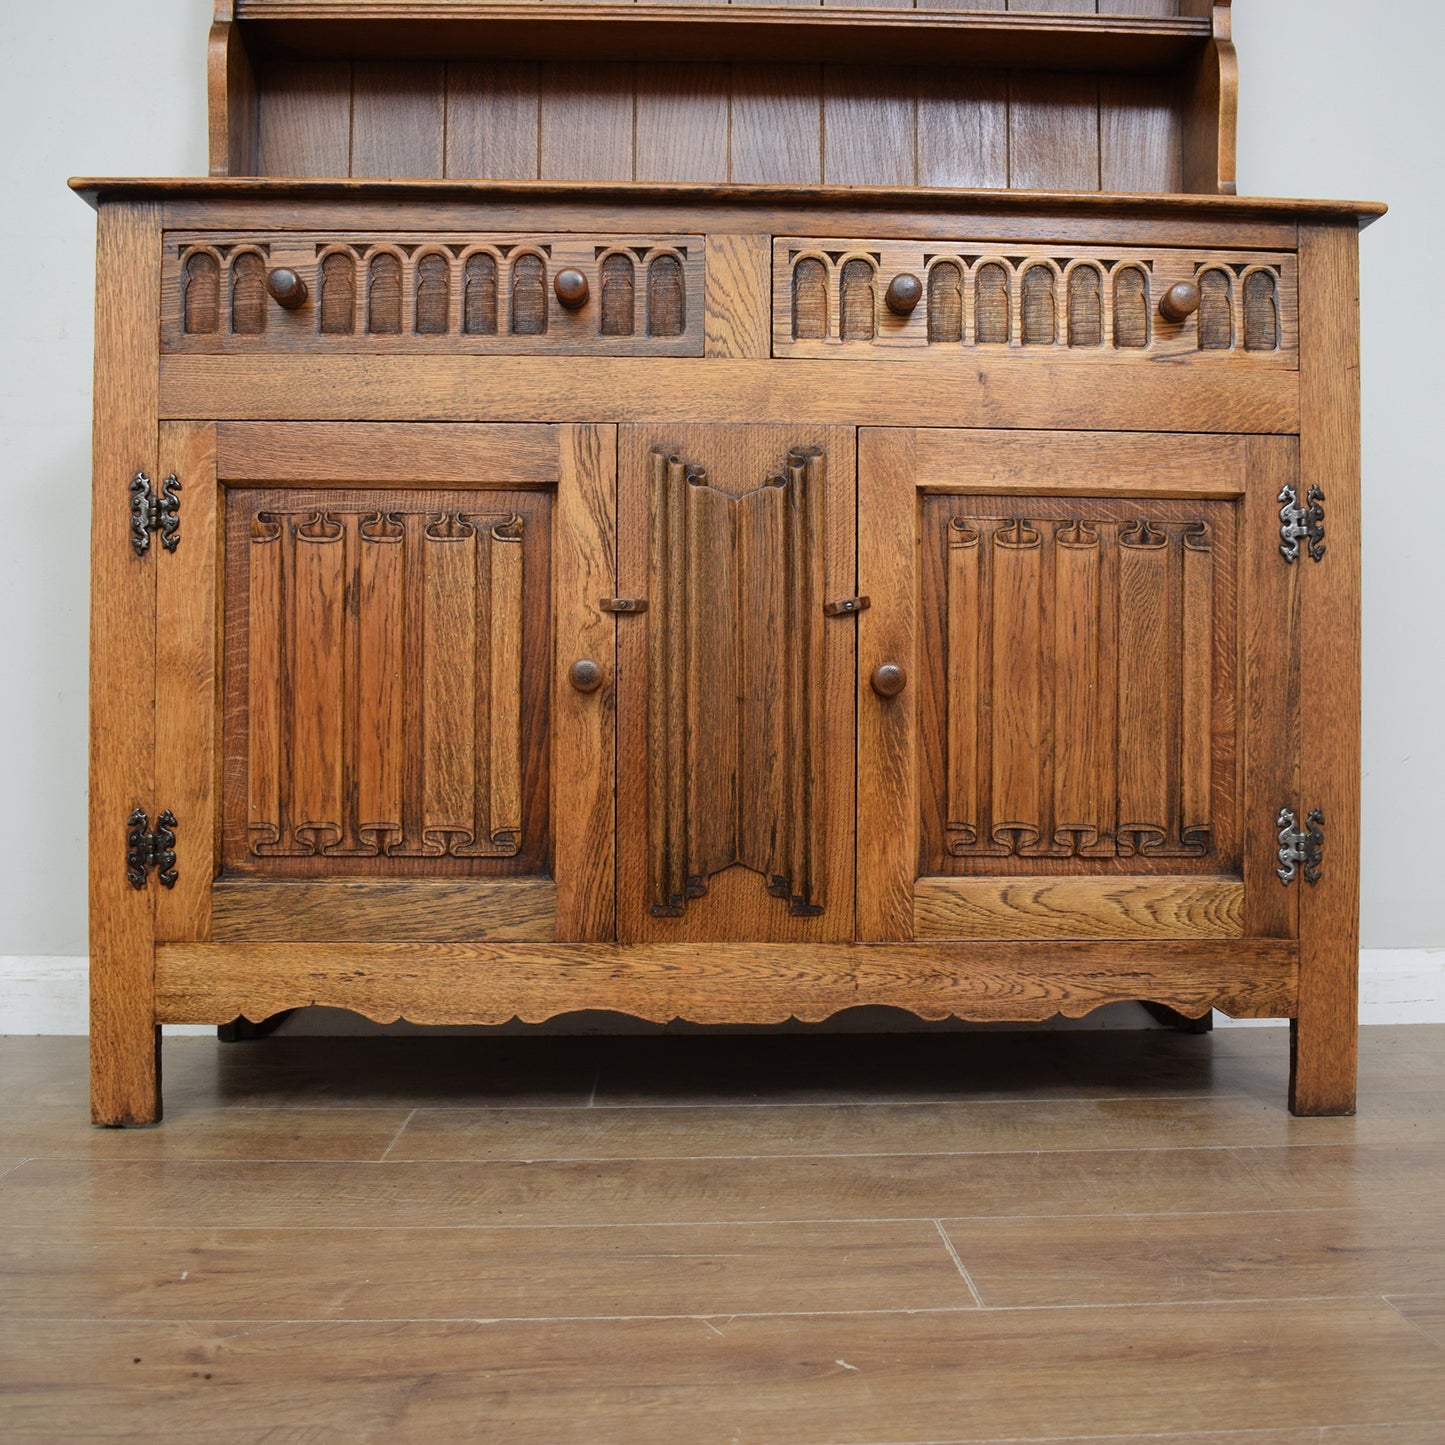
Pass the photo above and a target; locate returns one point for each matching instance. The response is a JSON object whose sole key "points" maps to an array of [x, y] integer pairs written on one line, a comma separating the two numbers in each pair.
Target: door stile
{"points": [[584, 731], [188, 682], [887, 726], [124, 1037]]}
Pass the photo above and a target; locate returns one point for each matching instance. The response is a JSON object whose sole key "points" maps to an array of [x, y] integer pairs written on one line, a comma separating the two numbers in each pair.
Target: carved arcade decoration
{"points": [[1085, 685], [829, 301], [735, 646], [382, 682]]}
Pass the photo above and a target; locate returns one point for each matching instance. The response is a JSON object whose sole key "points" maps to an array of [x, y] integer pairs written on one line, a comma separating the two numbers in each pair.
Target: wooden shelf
{"points": [[448, 29]]}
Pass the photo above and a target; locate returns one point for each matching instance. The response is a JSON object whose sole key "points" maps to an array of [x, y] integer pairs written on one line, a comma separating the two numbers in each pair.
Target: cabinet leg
{"points": [[125, 1073], [1323, 1054]]}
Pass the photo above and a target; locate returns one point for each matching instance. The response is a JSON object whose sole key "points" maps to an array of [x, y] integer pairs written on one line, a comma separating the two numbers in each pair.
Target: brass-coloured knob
{"points": [[1179, 302], [585, 675], [889, 680], [571, 288], [287, 288], [904, 292]]}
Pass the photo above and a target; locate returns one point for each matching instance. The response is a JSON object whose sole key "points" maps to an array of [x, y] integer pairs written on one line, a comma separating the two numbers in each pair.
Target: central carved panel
{"points": [[735, 731]]}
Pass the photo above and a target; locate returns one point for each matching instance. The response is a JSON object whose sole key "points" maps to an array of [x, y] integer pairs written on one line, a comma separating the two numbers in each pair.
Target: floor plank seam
{"points": [[400, 1131], [954, 1256], [1414, 1324], [702, 1316]]}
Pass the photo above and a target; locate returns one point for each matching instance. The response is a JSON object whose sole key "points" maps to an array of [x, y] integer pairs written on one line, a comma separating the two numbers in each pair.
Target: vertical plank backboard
{"points": [[1141, 140], [398, 119], [587, 122], [962, 128], [492, 120], [682, 123], [124, 1038], [777, 124], [1053, 132], [1325, 1033], [869, 125], [303, 125]]}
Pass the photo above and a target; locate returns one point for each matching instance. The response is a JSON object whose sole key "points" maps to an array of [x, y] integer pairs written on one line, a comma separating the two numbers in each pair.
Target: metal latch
{"points": [[846, 606], [622, 604]]}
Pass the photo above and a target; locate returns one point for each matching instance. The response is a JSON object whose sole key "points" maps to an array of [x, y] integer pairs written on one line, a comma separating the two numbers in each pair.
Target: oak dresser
{"points": [[722, 512]]}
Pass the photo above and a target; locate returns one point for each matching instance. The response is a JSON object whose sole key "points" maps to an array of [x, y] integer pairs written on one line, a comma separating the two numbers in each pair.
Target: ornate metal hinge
{"points": [[847, 606], [152, 511], [1300, 850], [145, 850], [1301, 523]]}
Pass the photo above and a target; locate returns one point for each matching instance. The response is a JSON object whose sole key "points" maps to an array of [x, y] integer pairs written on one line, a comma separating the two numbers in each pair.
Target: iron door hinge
{"points": [[1301, 523], [152, 511], [145, 850], [1300, 849]]}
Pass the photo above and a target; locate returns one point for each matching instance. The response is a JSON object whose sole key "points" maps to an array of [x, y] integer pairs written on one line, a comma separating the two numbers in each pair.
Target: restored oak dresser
{"points": [[730, 513]]}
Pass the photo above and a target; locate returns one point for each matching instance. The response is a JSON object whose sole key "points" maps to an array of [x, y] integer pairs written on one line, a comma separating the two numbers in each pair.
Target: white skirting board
{"points": [[48, 995]]}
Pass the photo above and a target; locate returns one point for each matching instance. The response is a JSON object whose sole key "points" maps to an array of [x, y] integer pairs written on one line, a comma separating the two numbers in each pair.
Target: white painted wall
{"points": [[102, 88]]}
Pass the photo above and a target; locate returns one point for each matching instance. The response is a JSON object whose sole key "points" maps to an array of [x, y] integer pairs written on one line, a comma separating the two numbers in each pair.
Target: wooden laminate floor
{"points": [[1097, 1236]]}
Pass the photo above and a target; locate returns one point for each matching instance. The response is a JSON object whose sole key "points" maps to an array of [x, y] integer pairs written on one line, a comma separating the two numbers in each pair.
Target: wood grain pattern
{"points": [[1324, 1032], [1054, 133], [492, 119], [722, 983], [584, 736], [520, 455], [231, 101], [776, 125], [962, 128], [356, 910], [1053, 907], [736, 321], [1141, 142], [869, 127], [682, 123], [587, 122], [125, 1041], [887, 729], [1026, 391], [303, 121], [397, 118], [188, 681], [734, 785]]}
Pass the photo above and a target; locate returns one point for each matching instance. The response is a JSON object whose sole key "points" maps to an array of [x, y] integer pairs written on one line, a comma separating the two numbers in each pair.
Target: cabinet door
{"points": [[1096, 732], [735, 688], [363, 690]]}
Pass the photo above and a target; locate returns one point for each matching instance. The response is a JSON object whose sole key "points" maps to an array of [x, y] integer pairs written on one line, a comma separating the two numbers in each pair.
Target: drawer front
{"points": [[842, 298], [489, 293]]}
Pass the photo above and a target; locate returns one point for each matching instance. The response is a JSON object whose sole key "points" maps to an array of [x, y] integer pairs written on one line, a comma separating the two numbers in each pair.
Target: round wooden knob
{"points": [[904, 292], [1179, 302], [889, 680], [585, 675], [571, 288], [286, 287]]}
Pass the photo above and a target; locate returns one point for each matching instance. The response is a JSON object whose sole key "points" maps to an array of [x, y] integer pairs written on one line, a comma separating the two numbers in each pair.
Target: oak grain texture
{"points": [[303, 121], [398, 113], [1078, 907], [1323, 1037], [736, 321], [341, 910], [1026, 392], [584, 732], [724, 983], [125, 1041], [493, 114], [188, 681]]}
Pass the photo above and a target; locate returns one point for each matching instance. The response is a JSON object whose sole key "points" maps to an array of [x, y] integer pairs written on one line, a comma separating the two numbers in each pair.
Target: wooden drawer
{"points": [[491, 293], [831, 299]]}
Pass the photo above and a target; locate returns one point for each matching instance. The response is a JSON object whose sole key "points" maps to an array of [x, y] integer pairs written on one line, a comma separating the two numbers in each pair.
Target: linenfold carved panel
{"points": [[733, 765], [1095, 303], [486, 292], [1084, 684], [376, 703]]}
